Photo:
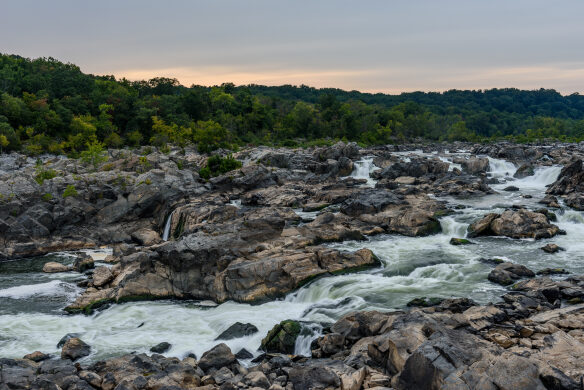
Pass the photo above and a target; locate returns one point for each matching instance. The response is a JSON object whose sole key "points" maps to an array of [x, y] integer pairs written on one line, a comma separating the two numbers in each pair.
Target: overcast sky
{"points": [[375, 46]]}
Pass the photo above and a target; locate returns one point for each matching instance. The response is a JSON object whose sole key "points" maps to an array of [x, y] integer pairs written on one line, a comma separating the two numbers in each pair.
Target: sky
{"points": [[388, 46]]}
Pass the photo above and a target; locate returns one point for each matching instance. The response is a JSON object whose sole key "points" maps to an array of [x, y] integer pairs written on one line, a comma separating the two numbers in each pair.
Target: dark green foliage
{"points": [[70, 191], [49, 106], [217, 165]]}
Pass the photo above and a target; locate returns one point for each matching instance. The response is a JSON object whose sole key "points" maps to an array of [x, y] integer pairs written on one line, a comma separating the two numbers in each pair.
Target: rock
{"points": [[511, 189], [92, 378], [523, 171], [569, 181], [474, 165], [37, 356], [237, 330], [460, 241], [101, 276], [551, 248], [369, 201], [552, 271], [506, 273], [65, 338], [161, 348], [146, 237], [82, 263], [331, 343], [74, 349], [425, 302], [514, 224], [217, 357], [257, 379], [243, 354], [53, 267], [282, 337]]}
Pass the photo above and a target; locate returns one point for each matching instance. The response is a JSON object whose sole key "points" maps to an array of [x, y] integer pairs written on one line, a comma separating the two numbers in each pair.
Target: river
{"points": [[31, 302]]}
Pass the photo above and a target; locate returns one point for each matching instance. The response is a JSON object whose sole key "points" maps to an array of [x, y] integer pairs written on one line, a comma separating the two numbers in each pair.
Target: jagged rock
{"points": [[217, 357], [82, 263], [425, 302], [37, 356], [460, 241], [551, 248], [161, 348], [552, 271], [101, 276], [237, 330], [369, 202], [515, 224], [523, 171], [474, 165], [146, 237], [507, 273], [243, 354], [74, 349], [53, 267], [282, 337]]}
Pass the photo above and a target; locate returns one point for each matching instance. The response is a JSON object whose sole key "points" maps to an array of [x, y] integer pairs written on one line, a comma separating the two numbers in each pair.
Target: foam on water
{"points": [[501, 168], [363, 169], [52, 288]]}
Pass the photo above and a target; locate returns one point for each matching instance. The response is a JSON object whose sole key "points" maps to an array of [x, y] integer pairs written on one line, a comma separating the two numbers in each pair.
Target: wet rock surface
{"points": [[240, 237], [530, 340]]}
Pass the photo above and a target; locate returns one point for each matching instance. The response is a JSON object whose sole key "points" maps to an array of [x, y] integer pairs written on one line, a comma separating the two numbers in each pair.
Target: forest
{"points": [[47, 106]]}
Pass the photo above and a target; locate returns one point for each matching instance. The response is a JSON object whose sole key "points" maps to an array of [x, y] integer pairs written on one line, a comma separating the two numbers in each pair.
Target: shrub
{"points": [[217, 165], [43, 174], [47, 197], [70, 191], [94, 154]]}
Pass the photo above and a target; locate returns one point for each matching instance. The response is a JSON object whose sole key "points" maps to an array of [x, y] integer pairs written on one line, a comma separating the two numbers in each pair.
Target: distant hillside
{"points": [[49, 106]]}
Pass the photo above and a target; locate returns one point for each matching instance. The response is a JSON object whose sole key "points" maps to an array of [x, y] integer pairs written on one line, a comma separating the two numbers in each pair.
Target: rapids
{"points": [[31, 302]]}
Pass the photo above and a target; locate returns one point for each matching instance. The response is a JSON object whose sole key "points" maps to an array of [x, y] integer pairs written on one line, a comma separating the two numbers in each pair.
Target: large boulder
{"points": [[282, 337], [217, 357], [570, 180], [54, 267], [515, 224], [507, 273], [370, 201], [237, 330], [74, 349]]}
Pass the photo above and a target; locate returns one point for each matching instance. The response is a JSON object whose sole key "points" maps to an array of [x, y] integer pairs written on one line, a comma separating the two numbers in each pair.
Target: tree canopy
{"points": [[50, 106]]}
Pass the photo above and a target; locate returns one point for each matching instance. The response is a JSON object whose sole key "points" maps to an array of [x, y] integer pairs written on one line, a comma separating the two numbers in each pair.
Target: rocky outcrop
{"points": [[506, 273], [520, 223], [529, 340], [74, 348]]}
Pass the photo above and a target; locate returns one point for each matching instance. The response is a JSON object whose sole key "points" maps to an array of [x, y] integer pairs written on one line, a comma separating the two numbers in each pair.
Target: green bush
{"points": [[70, 191], [217, 165], [43, 174], [47, 197]]}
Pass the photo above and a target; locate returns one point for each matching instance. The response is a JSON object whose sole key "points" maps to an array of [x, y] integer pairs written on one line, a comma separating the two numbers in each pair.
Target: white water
{"points": [[52, 288], [411, 267], [363, 169], [501, 168], [167, 227]]}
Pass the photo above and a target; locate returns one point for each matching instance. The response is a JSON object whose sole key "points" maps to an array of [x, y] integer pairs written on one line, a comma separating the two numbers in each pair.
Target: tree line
{"points": [[50, 106]]}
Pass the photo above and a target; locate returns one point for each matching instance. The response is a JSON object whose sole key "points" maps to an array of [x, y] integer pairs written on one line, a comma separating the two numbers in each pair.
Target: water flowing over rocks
{"points": [[281, 224]]}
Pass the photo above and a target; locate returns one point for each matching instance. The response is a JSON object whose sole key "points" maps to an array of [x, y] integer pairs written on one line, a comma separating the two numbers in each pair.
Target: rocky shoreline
{"points": [[530, 340], [260, 232]]}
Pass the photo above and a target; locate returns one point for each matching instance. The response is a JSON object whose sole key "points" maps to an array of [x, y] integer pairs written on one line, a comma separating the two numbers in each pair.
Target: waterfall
{"points": [[363, 169], [308, 333], [542, 177], [453, 228], [167, 226], [500, 168]]}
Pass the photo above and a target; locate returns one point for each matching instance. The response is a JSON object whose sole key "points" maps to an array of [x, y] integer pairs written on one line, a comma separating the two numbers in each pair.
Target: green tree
{"points": [[94, 154]]}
